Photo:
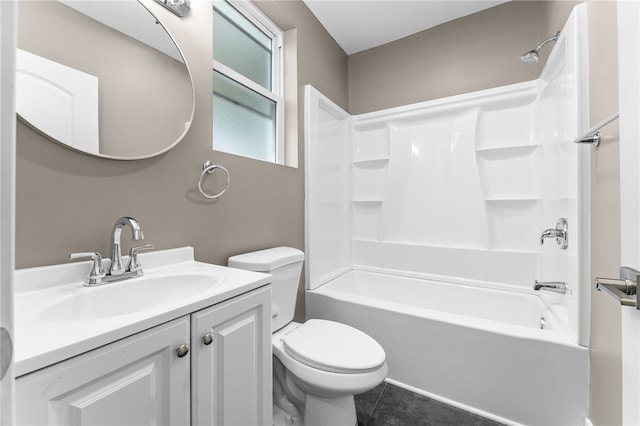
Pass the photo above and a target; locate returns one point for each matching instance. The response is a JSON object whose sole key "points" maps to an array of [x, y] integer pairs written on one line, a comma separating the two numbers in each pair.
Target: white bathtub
{"points": [[478, 348]]}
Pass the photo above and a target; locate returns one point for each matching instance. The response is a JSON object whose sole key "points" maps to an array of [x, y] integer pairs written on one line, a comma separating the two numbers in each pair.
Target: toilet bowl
{"points": [[319, 365], [325, 364]]}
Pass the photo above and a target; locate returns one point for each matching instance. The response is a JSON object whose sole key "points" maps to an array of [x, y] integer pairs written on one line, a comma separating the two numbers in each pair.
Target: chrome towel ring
{"points": [[207, 168]]}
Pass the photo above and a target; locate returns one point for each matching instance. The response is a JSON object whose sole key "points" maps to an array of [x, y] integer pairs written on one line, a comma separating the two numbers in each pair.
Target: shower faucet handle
{"points": [[560, 233]]}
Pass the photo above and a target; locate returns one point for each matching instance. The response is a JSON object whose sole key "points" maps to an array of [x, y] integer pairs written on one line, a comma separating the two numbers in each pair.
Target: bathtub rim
{"points": [[555, 302], [558, 334]]}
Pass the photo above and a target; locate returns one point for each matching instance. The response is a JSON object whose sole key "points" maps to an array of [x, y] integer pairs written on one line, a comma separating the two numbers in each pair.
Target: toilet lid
{"points": [[331, 346]]}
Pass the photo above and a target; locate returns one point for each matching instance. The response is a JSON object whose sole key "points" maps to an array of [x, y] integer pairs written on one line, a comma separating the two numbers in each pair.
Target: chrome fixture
{"points": [[134, 262], [179, 7], [560, 233], [207, 168], [97, 274], [116, 254], [555, 286], [116, 270], [624, 290], [592, 135], [532, 56]]}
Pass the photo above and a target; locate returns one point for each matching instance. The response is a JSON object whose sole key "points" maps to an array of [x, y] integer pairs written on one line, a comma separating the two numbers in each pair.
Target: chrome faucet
{"points": [[555, 286], [560, 233], [116, 271], [549, 233], [116, 253]]}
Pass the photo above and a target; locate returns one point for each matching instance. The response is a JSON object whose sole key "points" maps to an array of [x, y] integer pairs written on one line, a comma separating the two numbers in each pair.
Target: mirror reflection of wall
{"points": [[144, 90]]}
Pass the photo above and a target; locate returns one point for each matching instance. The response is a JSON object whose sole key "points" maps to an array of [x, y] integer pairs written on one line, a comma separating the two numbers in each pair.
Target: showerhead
{"points": [[532, 57]]}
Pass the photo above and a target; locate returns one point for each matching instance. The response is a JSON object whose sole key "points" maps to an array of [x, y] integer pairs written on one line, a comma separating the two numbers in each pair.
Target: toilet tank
{"points": [[285, 265]]}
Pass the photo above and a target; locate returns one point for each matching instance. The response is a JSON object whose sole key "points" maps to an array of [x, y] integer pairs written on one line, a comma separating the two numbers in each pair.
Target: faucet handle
{"points": [[560, 233], [97, 270], [134, 263]]}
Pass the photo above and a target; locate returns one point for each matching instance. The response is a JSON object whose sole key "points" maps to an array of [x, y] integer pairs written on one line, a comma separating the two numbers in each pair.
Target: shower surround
{"points": [[423, 227], [459, 189]]}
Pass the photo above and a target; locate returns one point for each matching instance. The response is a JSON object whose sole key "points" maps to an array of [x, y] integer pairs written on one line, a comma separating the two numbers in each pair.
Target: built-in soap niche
{"points": [[370, 165], [369, 180], [509, 123], [370, 144]]}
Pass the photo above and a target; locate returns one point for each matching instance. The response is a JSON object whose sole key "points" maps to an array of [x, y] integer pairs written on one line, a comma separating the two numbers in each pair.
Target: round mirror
{"points": [[101, 77]]}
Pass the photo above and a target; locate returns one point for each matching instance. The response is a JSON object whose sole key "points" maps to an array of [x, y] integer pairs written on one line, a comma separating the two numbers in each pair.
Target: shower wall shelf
{"points": [[371, 162], [369, 179], [514, 143], [527, 200], [367, 201], [513, 150]]}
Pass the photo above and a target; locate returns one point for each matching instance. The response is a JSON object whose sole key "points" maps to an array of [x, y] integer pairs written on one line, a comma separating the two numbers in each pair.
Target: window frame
{"points": [[247, 9]]}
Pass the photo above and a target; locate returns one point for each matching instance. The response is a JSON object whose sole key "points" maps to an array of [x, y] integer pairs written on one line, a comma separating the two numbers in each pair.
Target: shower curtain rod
{"points": [[592, 135]]}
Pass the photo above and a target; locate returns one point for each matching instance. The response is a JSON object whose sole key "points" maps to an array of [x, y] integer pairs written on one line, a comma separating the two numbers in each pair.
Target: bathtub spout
{"points": [[555, 286]]}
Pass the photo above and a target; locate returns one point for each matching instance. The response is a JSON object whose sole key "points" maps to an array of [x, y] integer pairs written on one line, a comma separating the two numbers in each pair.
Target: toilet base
{"points": [[282, 418], [293, 407], [330, 411], [320, 412]]}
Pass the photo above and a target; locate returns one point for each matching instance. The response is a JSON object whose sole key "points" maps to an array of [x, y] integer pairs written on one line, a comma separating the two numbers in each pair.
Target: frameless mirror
{"points": [[102, 77]]}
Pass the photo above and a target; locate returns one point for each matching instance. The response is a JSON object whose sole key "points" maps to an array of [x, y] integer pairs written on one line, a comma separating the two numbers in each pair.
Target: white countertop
{"points": [[41, 341]]}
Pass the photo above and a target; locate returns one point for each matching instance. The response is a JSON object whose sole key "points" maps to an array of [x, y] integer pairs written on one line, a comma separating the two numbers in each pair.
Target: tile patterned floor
{"points": [[389, 405]]}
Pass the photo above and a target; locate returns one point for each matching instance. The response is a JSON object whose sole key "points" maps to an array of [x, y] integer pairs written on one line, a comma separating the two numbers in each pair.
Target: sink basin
{"points": [[69, 319], [127, 297]]}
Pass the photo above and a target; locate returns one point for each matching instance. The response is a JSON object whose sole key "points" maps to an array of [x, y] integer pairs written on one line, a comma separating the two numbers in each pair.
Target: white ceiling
{"points": [[358, 25]]}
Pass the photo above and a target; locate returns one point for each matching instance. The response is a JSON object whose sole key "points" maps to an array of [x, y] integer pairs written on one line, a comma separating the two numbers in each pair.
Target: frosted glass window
{"points": [[244, 121], [240, 45], [248, 104]]}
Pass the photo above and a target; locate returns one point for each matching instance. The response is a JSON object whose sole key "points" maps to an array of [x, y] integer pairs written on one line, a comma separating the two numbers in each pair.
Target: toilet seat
{"points": [[333, 347]]}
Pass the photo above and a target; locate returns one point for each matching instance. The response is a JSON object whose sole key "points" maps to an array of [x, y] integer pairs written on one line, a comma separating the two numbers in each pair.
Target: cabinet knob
{"points": [[182, 350], [207, 339]]}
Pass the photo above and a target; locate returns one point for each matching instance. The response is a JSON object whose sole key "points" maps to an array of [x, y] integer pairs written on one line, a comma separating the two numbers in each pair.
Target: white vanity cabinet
{"points": [[231, 362], [137, 381], [141, 380]]}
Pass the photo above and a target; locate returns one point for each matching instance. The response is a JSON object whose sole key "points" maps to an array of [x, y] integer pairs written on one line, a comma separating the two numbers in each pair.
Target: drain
{"points": [[543, 323]]}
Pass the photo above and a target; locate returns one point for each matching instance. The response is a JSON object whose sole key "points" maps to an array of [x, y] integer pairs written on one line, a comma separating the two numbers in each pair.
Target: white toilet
{"points": [[317, 366]]}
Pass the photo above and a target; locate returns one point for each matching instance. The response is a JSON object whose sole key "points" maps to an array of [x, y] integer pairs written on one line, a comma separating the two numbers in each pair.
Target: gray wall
{"points": [[481, 51], [606, 335], [471, 53]]}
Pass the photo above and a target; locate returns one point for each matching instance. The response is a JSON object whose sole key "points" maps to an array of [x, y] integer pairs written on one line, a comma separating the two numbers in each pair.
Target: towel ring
{"points": [[207, 168]]}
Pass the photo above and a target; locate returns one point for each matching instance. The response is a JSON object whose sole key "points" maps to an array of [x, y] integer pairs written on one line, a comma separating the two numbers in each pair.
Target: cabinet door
{"points": [[231, 376], [135, 381]]}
